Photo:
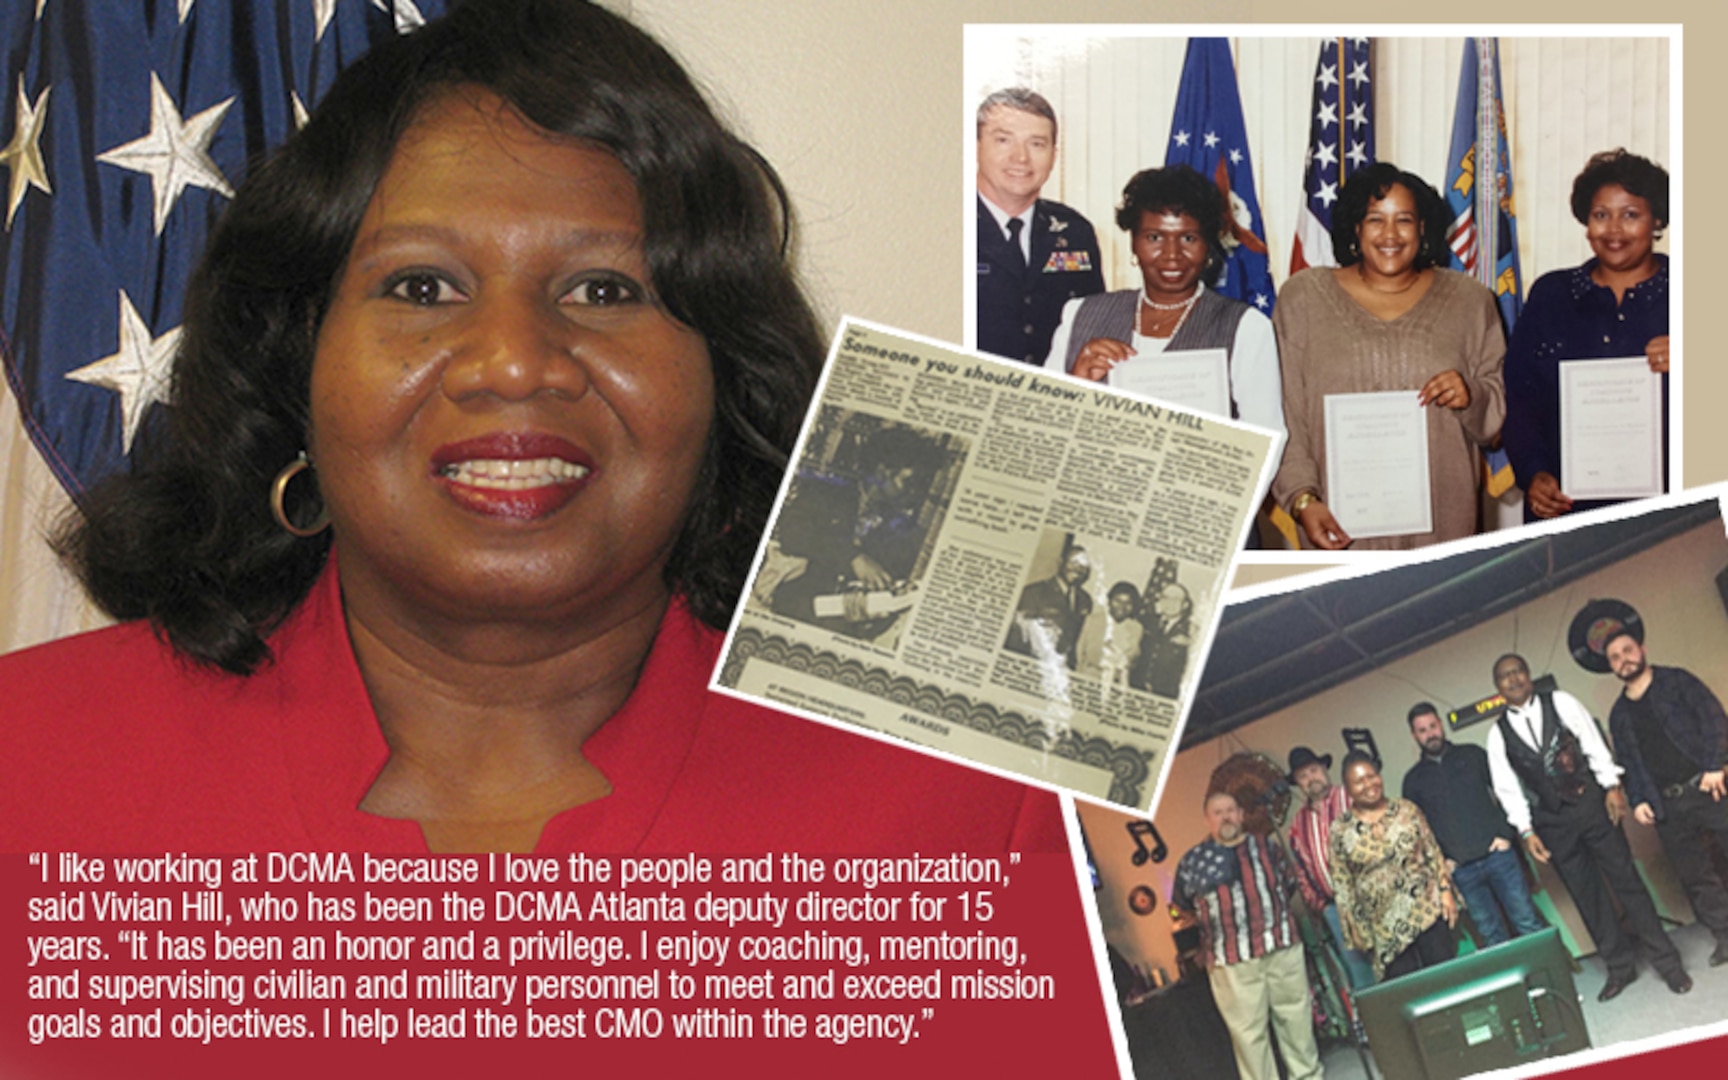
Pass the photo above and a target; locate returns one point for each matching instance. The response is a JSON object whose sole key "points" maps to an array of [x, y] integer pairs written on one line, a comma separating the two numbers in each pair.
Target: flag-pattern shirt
{"points": [[1240, 895]]}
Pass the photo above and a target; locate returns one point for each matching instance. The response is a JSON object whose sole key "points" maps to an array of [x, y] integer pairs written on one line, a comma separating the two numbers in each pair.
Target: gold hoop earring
{"points": [[278, 496]]}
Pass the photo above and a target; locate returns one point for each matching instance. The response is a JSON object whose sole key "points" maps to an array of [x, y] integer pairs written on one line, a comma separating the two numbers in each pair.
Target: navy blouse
{"points": [[1567, 316]]}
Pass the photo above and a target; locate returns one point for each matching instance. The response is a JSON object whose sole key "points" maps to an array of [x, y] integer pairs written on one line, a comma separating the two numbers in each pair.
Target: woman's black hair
{"points": [[1177, 189], [1357, 757], [1373, 183], [187, 540], [1638, 175]]}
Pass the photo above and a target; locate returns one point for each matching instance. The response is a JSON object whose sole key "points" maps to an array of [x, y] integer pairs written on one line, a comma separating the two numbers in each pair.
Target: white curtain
{"points": [[38, 600]]}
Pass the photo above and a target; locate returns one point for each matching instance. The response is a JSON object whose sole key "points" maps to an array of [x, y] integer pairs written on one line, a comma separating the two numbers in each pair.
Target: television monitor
{"points": [[1493, 1009]]}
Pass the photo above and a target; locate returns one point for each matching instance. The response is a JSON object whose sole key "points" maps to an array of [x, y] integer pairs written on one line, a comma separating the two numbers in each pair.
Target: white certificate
{"points": [[1610, 429], [1377, 464], [1197, 380]]}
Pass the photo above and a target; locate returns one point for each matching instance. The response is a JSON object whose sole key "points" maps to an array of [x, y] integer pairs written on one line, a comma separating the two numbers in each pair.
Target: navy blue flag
{"points": [[1484, 233], [127, 125], [1207, 134], [1340, 142]]}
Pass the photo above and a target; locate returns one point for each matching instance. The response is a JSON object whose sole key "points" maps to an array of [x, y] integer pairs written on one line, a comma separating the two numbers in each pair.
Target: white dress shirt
{"points": [[1003, 217], [1526, 723]]}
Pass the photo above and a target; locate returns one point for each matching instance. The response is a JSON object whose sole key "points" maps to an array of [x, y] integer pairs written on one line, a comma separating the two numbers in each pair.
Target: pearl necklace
{"points": [[1186, 307]]}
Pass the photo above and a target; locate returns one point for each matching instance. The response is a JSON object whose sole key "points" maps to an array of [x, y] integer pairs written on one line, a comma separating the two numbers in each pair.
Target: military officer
{"points": [[1034, 255]]}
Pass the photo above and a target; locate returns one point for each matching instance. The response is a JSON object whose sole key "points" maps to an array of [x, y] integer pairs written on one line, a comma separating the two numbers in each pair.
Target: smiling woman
{"points": [[1395, 899], [1388, 319], [1175, 219], [495, 318], [513, 314], [1615, 305]]}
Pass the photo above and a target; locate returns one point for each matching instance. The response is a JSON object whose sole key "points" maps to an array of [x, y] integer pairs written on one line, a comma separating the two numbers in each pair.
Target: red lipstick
{"points": [[519, 476]]}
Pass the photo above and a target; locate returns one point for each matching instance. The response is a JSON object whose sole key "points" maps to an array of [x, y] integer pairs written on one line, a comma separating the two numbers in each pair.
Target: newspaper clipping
{"points": [[1001, 563]]}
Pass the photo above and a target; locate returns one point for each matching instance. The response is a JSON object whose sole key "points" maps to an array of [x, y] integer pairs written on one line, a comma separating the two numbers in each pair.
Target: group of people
{"points": [[1130, 640], [1391, 876], [1389, 317]]}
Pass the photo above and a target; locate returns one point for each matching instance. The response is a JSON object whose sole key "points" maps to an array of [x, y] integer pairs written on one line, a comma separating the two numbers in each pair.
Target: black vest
{"points": [[1558, 773]]}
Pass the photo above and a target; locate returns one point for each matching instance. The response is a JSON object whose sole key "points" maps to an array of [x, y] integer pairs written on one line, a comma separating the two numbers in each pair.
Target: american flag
{"points": [[127, 125], [1340, 141], [1162, 576]]}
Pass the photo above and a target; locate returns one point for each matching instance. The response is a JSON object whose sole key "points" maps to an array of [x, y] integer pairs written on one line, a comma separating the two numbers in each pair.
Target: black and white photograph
{"points": [[854, 535], [1107, 613]]}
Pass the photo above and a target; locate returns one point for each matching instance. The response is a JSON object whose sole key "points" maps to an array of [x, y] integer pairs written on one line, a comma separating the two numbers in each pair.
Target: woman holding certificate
{"points": [[1615, 305], [1175, 218], [1391, 376]]}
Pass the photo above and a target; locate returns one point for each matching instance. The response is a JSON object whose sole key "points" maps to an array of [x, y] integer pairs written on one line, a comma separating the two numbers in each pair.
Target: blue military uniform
{"points": [[1020, 308]]}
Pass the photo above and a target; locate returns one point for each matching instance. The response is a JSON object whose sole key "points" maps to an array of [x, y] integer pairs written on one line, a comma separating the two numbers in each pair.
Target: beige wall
{"points": [[1671, 585]]}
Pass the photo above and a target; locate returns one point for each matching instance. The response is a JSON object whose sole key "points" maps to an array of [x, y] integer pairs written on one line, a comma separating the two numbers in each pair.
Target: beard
{"points": [[1627, 676], [1432, 746]]}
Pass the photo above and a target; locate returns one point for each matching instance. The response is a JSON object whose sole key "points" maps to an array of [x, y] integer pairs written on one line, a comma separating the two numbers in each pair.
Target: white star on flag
{"points": [[1327, 154], [176, 153], [1260, 301], [1328, 193], [185, 10], [23, 155], [138, 371], [1359, 72], [1182, 138], [1328, 115], [1235, 156], [1328, 77], [1211, 140], [1358, 114], [1358, 155]]}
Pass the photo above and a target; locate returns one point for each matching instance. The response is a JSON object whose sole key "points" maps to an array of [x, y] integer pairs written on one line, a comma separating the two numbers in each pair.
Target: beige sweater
{"points": [[1329, 345]]}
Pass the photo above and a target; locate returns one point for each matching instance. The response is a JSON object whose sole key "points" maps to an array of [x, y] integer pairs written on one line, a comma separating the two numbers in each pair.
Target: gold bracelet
{"points": [[1302, 502]]}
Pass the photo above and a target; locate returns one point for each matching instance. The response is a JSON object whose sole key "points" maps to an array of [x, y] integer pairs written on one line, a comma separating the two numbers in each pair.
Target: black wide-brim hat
{"points": [[1301, 756]]}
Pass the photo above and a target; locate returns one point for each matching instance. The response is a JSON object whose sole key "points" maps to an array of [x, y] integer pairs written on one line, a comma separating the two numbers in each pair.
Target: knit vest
{"points": [[1211, 324], [1557, 774]]}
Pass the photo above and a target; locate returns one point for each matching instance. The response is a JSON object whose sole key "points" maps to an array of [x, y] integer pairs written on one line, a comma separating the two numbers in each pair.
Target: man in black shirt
{"points": [[1452, 786], [1671, 736]]}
